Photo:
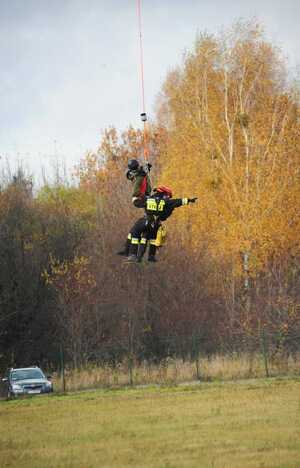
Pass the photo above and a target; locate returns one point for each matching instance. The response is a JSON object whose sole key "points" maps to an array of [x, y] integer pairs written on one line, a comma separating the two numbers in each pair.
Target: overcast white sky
{"points": [[70, 68]]}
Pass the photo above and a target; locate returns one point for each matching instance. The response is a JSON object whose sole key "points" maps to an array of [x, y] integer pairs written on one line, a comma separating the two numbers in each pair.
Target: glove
{"points": [[129, 175], [192, 200]]}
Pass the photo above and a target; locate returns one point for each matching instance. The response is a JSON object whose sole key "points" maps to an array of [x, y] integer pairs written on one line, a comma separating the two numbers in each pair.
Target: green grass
{"points": [[234, 424]]}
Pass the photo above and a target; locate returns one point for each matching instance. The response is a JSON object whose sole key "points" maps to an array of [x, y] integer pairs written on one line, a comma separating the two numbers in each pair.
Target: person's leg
{"points": [[125, 250], [152, 251], [152, 242], [136, 233], [142, 247]]}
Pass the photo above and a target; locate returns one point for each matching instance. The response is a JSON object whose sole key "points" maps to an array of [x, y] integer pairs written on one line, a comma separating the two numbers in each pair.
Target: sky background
{"points": [[70, 68]]}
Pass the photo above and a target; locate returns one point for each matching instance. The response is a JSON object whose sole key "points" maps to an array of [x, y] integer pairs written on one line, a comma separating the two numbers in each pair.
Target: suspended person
{"points": [[158, 208], [154, 235], [140, 176]]}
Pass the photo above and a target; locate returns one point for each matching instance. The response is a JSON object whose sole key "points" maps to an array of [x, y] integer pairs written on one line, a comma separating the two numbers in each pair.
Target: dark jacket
{"points": [[158, 207]]}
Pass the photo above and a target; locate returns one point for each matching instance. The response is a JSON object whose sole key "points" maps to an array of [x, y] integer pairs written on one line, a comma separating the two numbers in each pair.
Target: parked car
{"points": [[26, 381]]}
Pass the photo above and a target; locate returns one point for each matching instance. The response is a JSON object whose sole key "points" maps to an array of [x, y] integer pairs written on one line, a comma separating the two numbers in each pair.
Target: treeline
{"points": [[227, 130]]}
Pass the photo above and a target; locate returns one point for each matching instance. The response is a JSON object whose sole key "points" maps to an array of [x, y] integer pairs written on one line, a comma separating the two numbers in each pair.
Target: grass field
{"points": [[235, 424]]}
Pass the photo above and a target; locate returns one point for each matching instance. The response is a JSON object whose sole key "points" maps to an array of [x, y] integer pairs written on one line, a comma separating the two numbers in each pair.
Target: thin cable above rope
{"points": [[143, 114]]}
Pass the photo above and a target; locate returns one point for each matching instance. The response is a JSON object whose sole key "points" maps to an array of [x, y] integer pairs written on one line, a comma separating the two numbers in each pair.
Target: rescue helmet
{"points": [[164, 190], [133, 164]]}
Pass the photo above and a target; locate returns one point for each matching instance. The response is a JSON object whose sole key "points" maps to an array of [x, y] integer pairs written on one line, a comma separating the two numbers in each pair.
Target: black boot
{"points": [[125, 251], [152, 252], [151, 258], [133, 250]]}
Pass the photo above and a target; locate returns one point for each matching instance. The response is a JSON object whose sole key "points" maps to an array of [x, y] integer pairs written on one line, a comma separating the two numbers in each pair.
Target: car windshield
{"points": [[25, 374]]}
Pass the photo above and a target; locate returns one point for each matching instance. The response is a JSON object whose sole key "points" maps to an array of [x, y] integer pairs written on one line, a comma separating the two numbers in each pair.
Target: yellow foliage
{"points": [[73, 279], [233, 141]]}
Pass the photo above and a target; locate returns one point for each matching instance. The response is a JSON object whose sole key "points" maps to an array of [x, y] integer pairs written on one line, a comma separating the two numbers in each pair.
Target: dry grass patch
{"points": [[175, 371]]}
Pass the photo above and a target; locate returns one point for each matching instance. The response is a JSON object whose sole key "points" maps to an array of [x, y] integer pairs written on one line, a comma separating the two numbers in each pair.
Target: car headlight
{"points": [[48, 384], [17, 388]]}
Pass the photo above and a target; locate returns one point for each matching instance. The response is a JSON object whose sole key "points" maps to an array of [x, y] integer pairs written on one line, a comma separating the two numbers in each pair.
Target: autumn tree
{"points": [[26, 329], [233, 138]]}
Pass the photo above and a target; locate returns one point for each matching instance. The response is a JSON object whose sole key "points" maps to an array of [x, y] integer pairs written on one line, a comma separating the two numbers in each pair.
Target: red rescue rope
{"points": [[143, 115]]}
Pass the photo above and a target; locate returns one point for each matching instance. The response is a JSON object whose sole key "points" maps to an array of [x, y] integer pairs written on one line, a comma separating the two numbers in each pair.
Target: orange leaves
{"points": [[110, 160]]}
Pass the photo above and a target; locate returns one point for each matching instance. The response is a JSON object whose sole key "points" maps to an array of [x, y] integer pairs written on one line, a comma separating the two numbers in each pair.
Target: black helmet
{"points": [[133, 164]]}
